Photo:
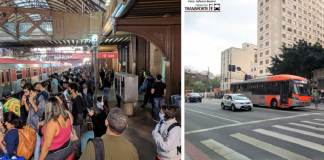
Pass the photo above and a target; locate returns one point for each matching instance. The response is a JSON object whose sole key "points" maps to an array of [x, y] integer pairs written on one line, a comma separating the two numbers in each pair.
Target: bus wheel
{"points": [[274, 103], [291, 108], [233, 108]]}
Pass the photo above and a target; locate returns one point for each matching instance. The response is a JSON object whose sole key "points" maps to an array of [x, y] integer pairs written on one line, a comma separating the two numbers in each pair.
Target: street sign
{"points": [[108, 55]]}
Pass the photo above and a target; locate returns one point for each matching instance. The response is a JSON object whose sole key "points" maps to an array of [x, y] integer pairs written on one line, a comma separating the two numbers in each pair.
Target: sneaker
{"points": [[155, 120]]}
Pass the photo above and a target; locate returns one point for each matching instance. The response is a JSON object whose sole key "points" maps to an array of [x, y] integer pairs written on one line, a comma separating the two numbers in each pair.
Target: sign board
{"points": [[81, 55], [217, 90], [108, 55]]}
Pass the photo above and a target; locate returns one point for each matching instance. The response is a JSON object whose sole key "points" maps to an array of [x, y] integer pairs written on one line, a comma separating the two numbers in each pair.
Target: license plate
{"points": [[246, 106]]}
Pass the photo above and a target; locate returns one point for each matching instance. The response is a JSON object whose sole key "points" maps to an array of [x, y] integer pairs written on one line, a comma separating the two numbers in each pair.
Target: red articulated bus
{"points": [[284, 91], [12, 71]]}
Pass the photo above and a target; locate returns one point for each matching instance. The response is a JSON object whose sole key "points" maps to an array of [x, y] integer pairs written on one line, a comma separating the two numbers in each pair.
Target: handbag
{"points": [[73, 136], [6, 157]]}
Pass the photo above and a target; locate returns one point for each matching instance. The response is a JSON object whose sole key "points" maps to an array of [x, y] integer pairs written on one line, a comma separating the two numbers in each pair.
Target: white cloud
{"points": [[206, 35]]}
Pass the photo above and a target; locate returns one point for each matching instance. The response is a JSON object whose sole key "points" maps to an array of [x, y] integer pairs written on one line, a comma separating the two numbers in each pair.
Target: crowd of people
{"points": [[51, 113]]}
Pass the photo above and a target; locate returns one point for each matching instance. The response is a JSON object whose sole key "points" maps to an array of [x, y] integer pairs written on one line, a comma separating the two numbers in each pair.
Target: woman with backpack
{"points": [[56, 143], [11, 123], [99, 118]]}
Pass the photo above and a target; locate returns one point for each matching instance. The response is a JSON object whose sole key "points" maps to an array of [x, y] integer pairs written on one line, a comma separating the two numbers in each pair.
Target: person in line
{"points": [[159, 91], [98, 119], [148, 97], [54, 85], [168, 142], [35, 105], [115, 146], [112, 77], [60, 96], [23, 112], [107, 86], [56, 143], [41, 90], [12, 104], [77, 112], [102, 76], [11, 122]]}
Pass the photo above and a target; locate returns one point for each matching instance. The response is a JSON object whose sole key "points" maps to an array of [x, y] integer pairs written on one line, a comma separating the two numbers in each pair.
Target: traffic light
{"points": [[233, 68], [229, 68], [247, 77]]}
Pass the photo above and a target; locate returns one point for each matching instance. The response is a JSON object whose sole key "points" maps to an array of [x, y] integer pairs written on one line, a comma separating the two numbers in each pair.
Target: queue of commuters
{"points": [[52, 112]]}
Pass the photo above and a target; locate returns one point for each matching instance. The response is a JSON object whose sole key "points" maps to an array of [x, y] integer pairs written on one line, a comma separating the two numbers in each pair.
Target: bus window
{"points": [[19, 74], [2, 78], [8, 76], [35, 72], [275, 88]]}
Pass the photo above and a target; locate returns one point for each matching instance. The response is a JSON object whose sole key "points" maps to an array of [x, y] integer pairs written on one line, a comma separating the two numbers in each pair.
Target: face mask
{"points": [[98, 106], [27, 96]]}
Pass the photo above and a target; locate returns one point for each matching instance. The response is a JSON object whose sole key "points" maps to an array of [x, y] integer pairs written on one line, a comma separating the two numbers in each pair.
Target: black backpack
{"points": [[99, 147], [169, 129]]}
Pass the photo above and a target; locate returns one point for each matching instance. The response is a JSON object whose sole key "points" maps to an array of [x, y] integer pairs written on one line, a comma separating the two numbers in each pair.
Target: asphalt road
{"points": [[261, 134]]}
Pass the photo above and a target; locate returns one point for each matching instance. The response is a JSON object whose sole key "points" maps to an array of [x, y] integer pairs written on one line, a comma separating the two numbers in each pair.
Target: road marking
{"points": [[224, 151], [290, 139], [313, 123], [252, 122], [269, 147], [213, 115], [319, 119], [300, 131], [307, 126]]}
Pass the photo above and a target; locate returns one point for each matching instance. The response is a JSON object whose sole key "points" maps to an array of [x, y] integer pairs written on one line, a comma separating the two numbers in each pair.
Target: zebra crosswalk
{"points": [[310, 129]]}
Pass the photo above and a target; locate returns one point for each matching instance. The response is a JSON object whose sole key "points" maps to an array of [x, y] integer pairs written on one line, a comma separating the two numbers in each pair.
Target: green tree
{"points": [[299, 60]]}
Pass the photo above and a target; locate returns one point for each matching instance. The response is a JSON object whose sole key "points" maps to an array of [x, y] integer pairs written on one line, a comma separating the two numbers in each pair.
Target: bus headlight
{"points": [[296, 98]]}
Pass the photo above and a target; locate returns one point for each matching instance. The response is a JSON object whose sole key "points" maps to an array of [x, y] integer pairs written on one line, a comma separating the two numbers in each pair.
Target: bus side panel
{"points": [[289, 101], [269, 98]]}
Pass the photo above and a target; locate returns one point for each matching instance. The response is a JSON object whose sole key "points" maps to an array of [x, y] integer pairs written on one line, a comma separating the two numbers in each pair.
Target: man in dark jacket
{"points": [[148, 97]]}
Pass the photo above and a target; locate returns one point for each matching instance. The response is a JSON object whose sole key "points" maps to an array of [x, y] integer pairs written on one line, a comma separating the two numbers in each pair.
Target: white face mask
{"points": [[70, 81]]}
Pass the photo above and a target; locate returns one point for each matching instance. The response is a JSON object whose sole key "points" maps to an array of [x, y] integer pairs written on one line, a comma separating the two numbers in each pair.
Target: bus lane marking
{"points": [[213, 115]]}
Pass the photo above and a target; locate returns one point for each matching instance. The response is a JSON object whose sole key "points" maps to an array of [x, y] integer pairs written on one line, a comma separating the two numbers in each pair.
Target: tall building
{"points": [[284, 22], [240, 57]]}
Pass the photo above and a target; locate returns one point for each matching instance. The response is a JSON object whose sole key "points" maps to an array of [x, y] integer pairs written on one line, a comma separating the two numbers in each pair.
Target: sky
{"points": [[207, 34]]}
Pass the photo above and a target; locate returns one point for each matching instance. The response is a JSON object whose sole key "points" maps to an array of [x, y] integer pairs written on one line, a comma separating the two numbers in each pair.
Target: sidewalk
{"points": [[311, 107], [139, 131]]}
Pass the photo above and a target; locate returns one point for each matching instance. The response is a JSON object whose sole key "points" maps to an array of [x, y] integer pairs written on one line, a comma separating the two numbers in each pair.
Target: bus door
{"points": [[28, 76], [284, 93]]}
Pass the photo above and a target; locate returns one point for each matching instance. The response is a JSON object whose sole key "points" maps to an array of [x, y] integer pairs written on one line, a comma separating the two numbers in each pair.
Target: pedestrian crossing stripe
{"points": [[300, 131], [290, 139], [319, 119], [269, 147], [313, 123], [224, 151], [307, 126]]}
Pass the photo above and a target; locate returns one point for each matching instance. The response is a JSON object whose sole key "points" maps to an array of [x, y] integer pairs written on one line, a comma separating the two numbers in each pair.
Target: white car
{"points": [[236, 102]]}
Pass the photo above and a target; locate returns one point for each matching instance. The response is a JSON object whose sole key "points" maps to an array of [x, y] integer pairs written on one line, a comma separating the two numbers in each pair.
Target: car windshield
{"points": [[194, 94], [240, 97], [301, 89]]}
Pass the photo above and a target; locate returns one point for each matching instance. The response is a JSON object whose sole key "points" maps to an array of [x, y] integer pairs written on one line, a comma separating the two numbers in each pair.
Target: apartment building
{"points": [[284, 22], [240, 57]]}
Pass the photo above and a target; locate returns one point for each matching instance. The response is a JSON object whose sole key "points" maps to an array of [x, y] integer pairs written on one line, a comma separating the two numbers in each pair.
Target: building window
{"points": [[251, 70], [305, 20], [266, 70], [300, 33], [267, 52], [289, 13], [289, 29], [300, 25], [283, 18], [299, 9], [283, 35], [300, 17], [267, 26], [289, 45], [289, 21], [261, 4], [310, 36], [295, 31], [261, 63], [267, 1], [283, 10], [261, 29], [261, 71], [283, 44], [267, 17], [283, 1], [295, 15], [261, 37], [261, 12], [254, 69], [267, 43], [305, 27], [267, 8], [294, 7], [267, 61], [267, 35], [289, 37], [295, 39], [283, 27], [261, 46], [261, 21], [261, 54]]}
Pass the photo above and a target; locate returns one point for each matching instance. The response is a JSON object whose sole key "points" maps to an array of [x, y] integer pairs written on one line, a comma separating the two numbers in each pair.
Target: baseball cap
{"points": [[6, 93]]}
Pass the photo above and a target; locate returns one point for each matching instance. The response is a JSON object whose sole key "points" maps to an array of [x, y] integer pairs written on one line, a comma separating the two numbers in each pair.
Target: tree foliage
{"points": [[192, 76], [299, 60]]}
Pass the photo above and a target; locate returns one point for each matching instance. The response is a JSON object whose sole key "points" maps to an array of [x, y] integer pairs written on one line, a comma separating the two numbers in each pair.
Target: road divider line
{"points": [[252, 122], [300, 131], [313, 123], [224, 151], [307, 126], [213, 115], [319, 120], [290, 139], [269, 147]]}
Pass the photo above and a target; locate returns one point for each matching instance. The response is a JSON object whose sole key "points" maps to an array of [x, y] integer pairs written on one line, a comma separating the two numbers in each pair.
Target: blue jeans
{"points": [[89, 100], [112, 81], [158, 102], [140, 89], [106, 92], [38, 147]]}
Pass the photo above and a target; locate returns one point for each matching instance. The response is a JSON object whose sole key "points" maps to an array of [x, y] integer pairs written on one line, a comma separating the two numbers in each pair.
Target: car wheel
{"points": [[200, 100], [233, 108], [250, 109], [274, 103], [222, 105]]}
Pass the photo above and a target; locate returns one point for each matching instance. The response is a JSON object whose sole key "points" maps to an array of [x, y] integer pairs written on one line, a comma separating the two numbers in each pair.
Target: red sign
{"points": [[81, 55], [108, 55]]}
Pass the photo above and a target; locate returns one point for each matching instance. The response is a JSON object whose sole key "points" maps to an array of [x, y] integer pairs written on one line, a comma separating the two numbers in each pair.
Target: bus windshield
{"points": [[301, 89], [240, 97]]}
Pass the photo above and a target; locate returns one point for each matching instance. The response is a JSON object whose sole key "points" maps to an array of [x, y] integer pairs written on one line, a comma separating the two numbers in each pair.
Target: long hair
{"points": [[13, 119], [62, 97], [105, 106], [107, 76], [53, 110]]}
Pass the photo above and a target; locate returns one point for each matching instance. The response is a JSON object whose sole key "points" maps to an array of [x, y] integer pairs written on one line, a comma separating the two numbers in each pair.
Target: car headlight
{"points": [[236, 101], [296, 98]]}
